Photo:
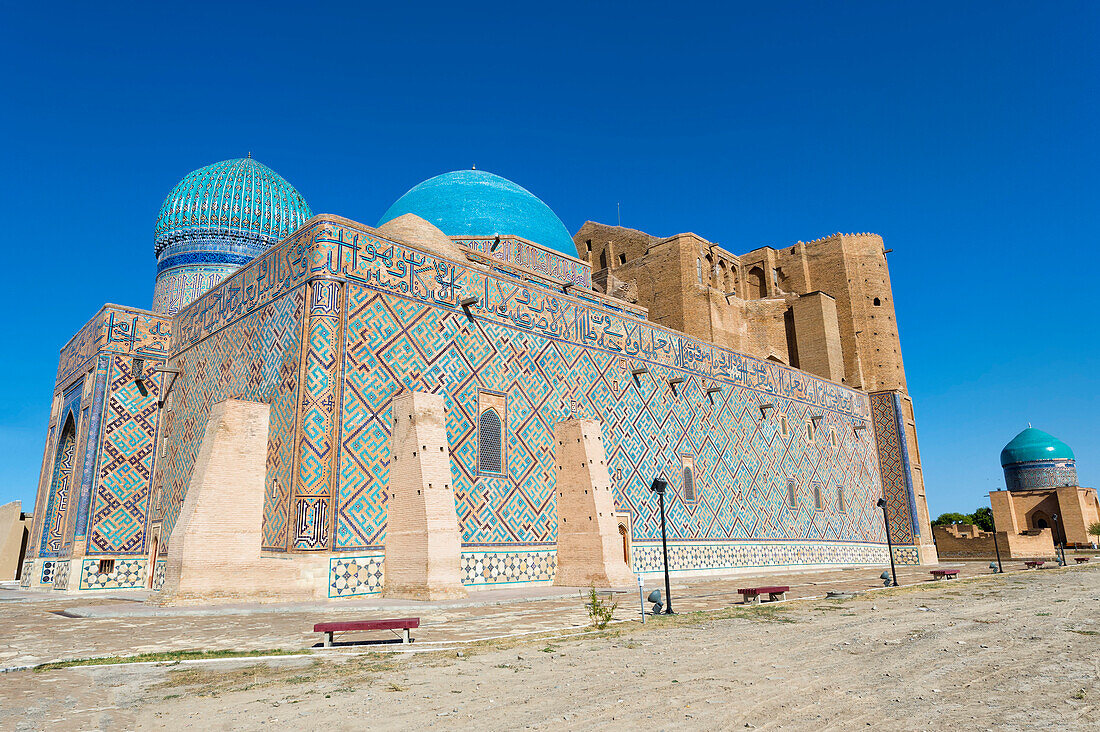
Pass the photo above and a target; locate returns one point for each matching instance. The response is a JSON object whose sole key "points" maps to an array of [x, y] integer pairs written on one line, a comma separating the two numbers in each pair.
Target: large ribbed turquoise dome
{"points": [[1031, 445], [216, 219], [477, 203], [241, 198]]}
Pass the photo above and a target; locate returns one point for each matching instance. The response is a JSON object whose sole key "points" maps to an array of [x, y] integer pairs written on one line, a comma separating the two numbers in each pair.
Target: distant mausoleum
{"points": [[315, 407], [1042, 490]]}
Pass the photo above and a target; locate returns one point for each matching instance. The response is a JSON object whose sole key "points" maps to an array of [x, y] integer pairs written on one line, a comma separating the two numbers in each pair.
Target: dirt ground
{"points": [[1017, 651]]}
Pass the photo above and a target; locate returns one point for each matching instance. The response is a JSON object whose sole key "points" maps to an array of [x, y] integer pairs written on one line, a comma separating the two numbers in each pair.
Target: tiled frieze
{"points": [[508, 565], [351, 576], [531, 256], [126, 573], [118, 330], [647, 557]]}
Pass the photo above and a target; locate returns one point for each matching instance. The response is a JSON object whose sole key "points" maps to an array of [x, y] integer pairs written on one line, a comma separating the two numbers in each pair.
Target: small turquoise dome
{"points": [[1031, 445], [476, 203]]}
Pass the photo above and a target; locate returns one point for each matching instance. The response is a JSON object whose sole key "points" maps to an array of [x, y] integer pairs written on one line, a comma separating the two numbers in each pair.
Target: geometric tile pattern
{"points": [[317, 440], [893, 458], [506, 566], [48, 568], [158, 574], [53, 532], [26, 575], [61, 575], [127, 573], [734, 555], [255, 358], [349, 576], [743, 462], [906, 555], [120, 505], [535, 257], [1040, 474]]}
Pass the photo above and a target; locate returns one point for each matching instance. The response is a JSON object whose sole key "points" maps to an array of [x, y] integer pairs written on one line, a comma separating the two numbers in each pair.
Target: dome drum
{"points": [[1037, 460]]}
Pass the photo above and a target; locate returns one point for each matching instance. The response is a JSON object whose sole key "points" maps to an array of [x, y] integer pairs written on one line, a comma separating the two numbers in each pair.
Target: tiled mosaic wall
{"points": [[388, 320], [110, 470], [257, 358], [893, 456]]}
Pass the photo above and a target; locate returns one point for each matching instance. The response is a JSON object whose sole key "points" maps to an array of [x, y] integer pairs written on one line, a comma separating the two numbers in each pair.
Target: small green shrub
{"points": [[599, 610]]}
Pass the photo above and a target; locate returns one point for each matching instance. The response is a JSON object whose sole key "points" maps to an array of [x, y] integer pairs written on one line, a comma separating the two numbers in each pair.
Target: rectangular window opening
{"points": [[106, 566]]}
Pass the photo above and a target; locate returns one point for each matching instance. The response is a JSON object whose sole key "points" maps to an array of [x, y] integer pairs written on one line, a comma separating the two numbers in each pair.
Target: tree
{"points": [[983, 518], [1094, 529], [952, 518]]}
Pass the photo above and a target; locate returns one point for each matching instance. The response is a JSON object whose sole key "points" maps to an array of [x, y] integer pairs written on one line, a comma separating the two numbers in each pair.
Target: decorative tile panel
{"points": [[127, 573], [120, 505], [507, 566], [893, 458], [647, 557], [351, 576]]}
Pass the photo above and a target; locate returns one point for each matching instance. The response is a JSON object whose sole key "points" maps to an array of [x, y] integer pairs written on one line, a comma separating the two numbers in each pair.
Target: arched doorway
{"points": [[53, 528], [758, 284]]}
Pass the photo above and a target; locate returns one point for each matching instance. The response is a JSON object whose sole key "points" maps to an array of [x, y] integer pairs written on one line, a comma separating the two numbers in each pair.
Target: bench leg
{"points": [[405, 635], [328, 639], [776, 596], [752, 599]]}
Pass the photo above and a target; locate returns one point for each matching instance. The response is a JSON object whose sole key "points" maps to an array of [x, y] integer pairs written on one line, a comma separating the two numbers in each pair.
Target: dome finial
{"points": [[249, 154], [473, 167]]}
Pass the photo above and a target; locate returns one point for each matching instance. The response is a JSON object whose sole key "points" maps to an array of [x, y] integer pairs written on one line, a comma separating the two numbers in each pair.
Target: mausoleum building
{"points": [[466, 396]]}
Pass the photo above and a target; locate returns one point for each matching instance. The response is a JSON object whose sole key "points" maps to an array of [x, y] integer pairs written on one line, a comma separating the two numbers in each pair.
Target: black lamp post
{"points": [[1061, 545], [659, 487], [996, 546], [889, 545]]}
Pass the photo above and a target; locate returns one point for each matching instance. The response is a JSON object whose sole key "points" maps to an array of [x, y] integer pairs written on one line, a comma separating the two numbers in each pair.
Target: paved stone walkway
{"points": [[38, 627]]}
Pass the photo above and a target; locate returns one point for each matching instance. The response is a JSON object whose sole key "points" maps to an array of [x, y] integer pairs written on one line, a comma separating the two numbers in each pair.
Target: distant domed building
{"points": [[1035, 460], [217, 219], [455, 400], [1042, 490]]}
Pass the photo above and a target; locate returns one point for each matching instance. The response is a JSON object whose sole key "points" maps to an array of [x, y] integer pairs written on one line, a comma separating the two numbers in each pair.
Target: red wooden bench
{"points": [[752, 595], [1034, 564], [944, 573], [1080, 560], [402, 624]]}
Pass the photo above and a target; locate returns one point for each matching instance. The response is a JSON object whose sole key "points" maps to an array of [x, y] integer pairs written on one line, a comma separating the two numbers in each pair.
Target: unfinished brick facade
{"points": [[823, 306]]}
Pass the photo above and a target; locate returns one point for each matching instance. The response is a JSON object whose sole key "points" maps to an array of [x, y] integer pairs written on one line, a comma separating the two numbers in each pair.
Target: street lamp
{"points": [[996, 546], [1061, 545], [889, 546], [659, 487]]}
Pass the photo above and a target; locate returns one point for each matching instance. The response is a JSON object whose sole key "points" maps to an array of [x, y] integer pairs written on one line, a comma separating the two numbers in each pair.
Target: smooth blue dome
{"points": [[240, 200], [1031, 445], [476, 203]]}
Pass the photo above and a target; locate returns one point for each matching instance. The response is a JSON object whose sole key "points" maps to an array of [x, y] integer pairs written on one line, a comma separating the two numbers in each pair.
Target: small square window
{"points": [[106, 566]]}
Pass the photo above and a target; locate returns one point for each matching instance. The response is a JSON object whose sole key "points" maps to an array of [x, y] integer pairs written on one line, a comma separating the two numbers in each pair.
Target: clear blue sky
{"points": [[964, 133]]}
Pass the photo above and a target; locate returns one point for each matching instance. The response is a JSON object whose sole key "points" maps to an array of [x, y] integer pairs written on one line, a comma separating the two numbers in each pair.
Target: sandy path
{"points": [[983, 654]]}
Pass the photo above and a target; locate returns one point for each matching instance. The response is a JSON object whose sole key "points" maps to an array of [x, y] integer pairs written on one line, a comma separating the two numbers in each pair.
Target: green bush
{"points": [[599, 609]]}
